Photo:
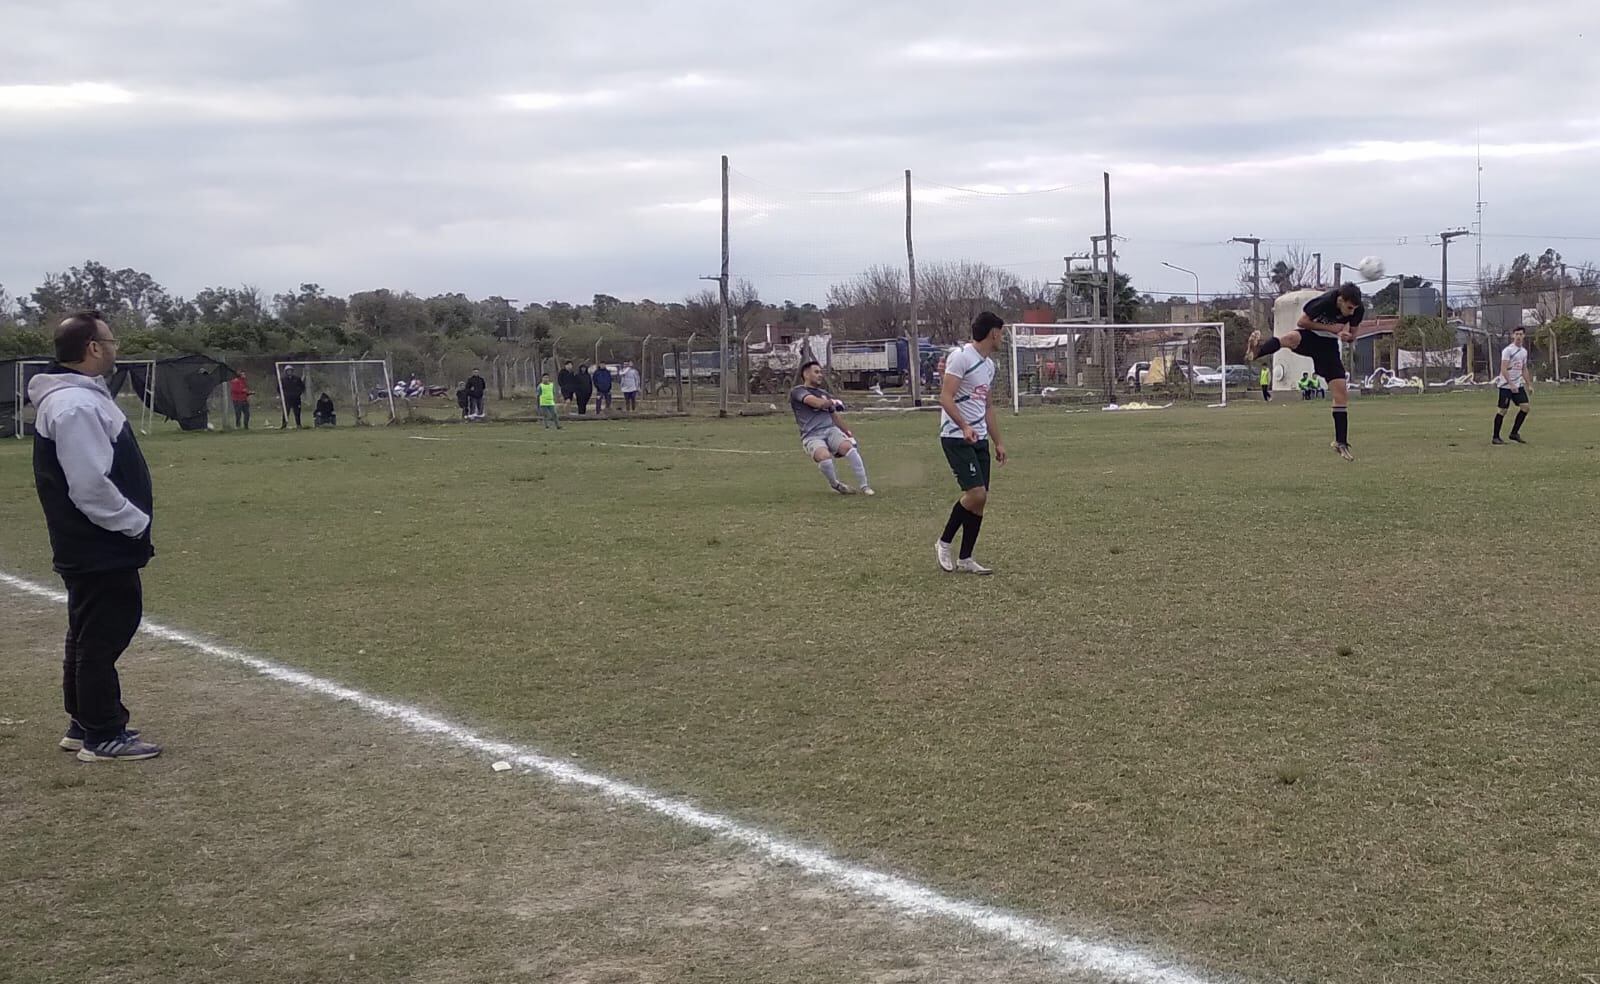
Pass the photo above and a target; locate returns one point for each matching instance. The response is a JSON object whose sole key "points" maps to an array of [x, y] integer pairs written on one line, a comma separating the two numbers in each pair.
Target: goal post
{"points": [[23, 370], [1072, 362], [361, 382]]}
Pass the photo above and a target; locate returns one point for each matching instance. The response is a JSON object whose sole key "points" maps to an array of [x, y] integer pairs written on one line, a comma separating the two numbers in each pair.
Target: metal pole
{"points": [[915, 344], [722, 348], [691, 371], [1111, 290], [1319, 269], [677, 371]]}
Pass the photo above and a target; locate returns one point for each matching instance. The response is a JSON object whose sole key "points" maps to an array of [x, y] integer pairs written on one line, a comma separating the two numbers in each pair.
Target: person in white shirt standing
{"points": [[966, 430], [1513, 386], [630, 386]]}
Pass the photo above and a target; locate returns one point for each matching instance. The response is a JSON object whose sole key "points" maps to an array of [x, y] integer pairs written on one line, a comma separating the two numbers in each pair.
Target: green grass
{"points": [[1291, 716]]}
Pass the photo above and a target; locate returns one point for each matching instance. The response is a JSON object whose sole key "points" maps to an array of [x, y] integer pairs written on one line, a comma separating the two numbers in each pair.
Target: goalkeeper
{"points": [[823, 435]]}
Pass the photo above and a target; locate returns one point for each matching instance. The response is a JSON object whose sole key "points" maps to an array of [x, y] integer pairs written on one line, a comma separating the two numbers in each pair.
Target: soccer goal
{"points": [[1069, 362], [14, 402], [355, 387]]}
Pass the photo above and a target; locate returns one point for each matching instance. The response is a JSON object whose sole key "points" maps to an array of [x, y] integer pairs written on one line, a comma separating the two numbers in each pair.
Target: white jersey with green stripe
{"points": [[976, 372]]}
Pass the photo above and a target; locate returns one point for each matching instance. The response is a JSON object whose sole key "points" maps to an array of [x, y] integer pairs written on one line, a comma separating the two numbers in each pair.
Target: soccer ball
{"points": [[1371, 268]]}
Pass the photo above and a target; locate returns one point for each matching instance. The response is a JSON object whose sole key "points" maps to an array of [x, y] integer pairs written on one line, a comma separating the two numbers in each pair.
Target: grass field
{"points": [[1228, 696]]}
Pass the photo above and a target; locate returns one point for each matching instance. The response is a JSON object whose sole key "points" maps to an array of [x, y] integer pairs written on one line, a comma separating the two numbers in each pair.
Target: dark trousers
{"points": [[103, 613], [583, 403], [602, 400], [631, 400], [294, 408], [241, 415], [474, 405]]}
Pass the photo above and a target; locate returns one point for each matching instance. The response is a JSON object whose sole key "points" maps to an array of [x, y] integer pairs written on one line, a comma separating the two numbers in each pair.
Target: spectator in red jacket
{"points": [[239, 392]]}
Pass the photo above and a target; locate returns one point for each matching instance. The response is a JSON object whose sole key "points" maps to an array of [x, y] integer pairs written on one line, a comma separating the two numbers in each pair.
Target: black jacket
{"points": [[476, 385], [91, 476], [582, 384], [294, 388]]}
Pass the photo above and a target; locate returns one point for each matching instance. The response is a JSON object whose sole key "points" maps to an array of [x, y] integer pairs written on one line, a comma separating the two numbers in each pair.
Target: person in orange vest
{"points": [[239, 393]]}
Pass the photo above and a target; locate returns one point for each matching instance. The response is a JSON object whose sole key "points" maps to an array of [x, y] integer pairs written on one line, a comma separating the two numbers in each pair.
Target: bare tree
{"points": [[875, 302], [953, 293]]}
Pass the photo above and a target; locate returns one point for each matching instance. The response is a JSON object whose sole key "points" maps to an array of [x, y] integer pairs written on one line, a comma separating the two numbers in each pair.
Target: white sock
{"points": [[854, 457], [826, 466]]}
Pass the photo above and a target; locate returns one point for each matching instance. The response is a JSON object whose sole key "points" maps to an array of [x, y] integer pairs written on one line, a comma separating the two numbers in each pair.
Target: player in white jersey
{"points": [[1513, 386], [966, 430]]}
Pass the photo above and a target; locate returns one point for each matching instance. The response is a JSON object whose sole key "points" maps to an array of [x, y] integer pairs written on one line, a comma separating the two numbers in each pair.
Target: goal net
{"points": [[359, 391], [1071, 363]]}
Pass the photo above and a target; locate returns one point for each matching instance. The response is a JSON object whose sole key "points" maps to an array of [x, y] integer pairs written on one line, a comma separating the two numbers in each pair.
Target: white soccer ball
{"points": [[1371, 268]]}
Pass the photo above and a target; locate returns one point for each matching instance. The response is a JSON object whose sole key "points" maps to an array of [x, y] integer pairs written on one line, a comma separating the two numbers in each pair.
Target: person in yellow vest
{"points": [[1266, 384], [547, 403]]}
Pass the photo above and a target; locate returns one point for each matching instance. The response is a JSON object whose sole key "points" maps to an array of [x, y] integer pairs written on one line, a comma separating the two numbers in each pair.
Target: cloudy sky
{"points": [[540, 150]]}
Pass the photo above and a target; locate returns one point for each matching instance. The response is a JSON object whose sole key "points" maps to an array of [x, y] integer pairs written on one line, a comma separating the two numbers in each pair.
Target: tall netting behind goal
{"points": [[334, 392], [833, 270], [1104, 365]]}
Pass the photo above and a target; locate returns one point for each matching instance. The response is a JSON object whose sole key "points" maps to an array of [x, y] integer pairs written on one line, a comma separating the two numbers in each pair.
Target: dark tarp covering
{"points": [[183, 386]]}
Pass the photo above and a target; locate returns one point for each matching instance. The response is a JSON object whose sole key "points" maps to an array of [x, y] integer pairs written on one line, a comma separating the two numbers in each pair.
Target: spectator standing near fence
{"points": [[239, 393]]}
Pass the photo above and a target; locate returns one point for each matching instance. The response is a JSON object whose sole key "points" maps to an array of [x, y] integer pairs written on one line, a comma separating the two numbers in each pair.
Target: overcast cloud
{"points": [[541, 150]]}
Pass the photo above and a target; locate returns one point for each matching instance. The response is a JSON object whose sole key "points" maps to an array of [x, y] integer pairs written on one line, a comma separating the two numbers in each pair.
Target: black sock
{"points": [[969, 534], [1499, 419], [1341, 425], [1268, 347], [958, 520], [1516, 425]]}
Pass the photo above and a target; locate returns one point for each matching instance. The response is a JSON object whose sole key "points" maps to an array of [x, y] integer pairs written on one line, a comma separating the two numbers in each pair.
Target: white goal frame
{"points": [[358, 398], [1052, 329]]}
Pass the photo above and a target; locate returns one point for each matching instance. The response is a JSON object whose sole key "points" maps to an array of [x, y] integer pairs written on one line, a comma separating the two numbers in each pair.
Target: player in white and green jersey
{"points": [[966, 431], [1513, 386]]}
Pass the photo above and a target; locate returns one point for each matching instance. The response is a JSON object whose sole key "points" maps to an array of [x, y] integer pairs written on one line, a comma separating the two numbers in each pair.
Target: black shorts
{"points": [[1323, 353], [1508, 397], [970, 462]]}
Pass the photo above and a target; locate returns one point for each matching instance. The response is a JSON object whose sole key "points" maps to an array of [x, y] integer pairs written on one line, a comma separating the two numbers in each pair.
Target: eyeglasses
{"points": [[112, 342]]}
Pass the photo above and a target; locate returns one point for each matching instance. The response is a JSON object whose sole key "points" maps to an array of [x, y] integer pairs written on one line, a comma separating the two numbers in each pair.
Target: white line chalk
{"points": [[1073, 953]]}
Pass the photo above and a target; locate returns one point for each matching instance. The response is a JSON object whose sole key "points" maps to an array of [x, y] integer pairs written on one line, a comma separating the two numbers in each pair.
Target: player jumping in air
{"points": [[1327, 320], [966, 427], [1513, 386], [822, 433]]}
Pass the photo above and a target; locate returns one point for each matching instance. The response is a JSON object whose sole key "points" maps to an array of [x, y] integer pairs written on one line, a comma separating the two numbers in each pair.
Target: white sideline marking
{"points": [[598, 444], [1075, 953]]}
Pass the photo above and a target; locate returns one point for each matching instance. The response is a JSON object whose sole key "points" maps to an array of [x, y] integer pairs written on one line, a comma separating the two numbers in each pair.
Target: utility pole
{"points": [[1094, 281], [1444, 271], [914, 356], [1444, 291], [1255, 275], [1319, 269], [722, 351]]}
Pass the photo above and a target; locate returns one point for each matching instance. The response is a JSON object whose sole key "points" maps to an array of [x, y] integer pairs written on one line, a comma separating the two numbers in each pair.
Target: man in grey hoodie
{"points": [[95, 488]]}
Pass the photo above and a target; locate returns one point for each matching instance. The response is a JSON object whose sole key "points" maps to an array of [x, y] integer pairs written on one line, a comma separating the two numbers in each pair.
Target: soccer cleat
{"points": [[841, 488], [867, 490], [969, 566], [1497, 440], [125, 747], [1344, 451], [941, 550], [1251, 345], [73, 739], [1518, 438]]}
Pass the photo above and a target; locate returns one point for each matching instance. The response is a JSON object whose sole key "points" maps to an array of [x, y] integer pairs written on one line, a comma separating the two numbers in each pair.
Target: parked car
{"points": [[1239, 374], [1206, 376]]}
